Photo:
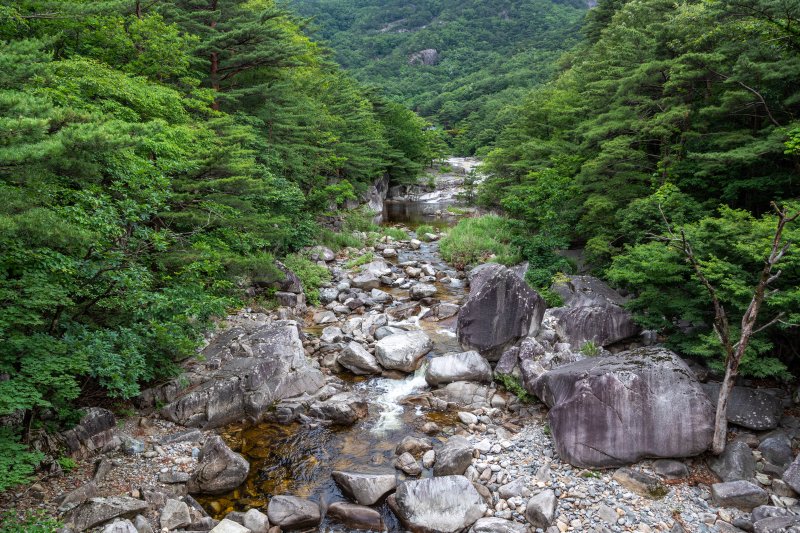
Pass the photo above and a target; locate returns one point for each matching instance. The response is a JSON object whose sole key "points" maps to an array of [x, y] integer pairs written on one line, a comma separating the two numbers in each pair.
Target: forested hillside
{"points": [[154, 158], [488, 54], [683, 114]]}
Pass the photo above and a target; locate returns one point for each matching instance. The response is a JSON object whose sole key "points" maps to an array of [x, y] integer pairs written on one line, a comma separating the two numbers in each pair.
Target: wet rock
{"points": [[616, 410], [453, 458], [358, 360], [256, 521], [669, 469], [258, 368], [465, 366], [422, 290], [641, 483], [414, 445], [356, 516], [120, 526], [97, 511], [408, 464], [736, 462], [497, 525], [229, 526], [290, 512], [365, 489], [740, 494], [380, 296], [599, 325], [501, 309], [750, 408], [174, 515], [345, 408], [467, 418], [541, 509], [402, 351], [219, 469], [76, 497], [443, 504], [445, 310]]}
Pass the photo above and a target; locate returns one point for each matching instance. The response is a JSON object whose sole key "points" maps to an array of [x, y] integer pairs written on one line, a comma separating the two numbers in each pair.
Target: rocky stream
{"points": [[382, 409]]}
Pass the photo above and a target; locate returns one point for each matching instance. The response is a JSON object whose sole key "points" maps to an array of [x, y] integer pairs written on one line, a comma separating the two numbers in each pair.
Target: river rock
{"points": [[377, 268], [97, 511], [174, 515], [777, 450], [402, 351], [465, 394], [777, 524], [345, 408], [669, 469], [358, 360], [792, 475], [501, 309], [229, 526], [120, 526], [740, 494], [219, 469], [257, 369], [616, 410], [750, 408], [465, 366], [290, 512], [256, 521], [422, 290], [641, 483], [366, 281], [587, 291], [365, 489], [736, 462], [356, 516], [408, 464], [454, 457], [597, 324], [497, 525], [442, 504], [541, 509], [516, 488]]}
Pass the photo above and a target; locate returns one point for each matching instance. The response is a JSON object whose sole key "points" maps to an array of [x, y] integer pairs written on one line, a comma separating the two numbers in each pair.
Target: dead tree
{"points": [[734, 351]]}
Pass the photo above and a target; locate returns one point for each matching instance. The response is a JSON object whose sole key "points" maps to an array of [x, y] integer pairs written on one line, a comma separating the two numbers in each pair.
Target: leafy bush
{"points": [[17, 463], [477, 240], [590, 349], [512, 385], [311, 274], [361, 219], [67, 464], [28, 522]]}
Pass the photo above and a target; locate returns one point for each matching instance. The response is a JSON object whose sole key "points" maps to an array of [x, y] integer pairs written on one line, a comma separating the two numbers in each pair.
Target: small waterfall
{"points": [[391, 392]]}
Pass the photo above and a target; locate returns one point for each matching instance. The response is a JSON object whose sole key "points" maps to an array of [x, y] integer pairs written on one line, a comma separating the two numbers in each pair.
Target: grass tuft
{"points": [[478, 240]]}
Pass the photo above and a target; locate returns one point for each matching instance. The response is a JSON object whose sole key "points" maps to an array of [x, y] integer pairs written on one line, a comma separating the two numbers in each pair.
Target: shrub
{"points": [[513, 386], [67, 464], [477, 240], [311, 274], [424, 229], [590, 349], [28, 522], [360, 219], [336, 241], [17, 463]]}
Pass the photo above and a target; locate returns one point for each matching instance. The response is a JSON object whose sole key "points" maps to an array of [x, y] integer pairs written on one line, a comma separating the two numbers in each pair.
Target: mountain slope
{"points": [[487, 54]]}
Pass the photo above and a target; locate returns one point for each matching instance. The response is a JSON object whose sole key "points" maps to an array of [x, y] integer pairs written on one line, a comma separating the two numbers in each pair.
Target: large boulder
{"points": [[365, 489], [97, 511], [440, 504], [454, 457], [465, 394], [95, 433], [219, 469], [344, 409], [500, 310], [290, 512], [358, 360], [735, 463], [356, 516], [402, 351], [465, 366], [256, 368], [586, 291], [750, 408], [601, 325], [617, 410]]}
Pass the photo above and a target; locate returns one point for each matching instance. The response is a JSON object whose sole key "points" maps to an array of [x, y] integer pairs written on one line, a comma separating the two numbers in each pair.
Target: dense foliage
{"points": [[489, 54], [154, 158], [663, 113]]}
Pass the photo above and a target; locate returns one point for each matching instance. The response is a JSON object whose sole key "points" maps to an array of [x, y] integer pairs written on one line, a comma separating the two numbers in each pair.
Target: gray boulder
{"points": [[541, 509], [257, 368], [500, 310], [750, 408], [587, 291], [356, 516], [465, 366], [366, 281], [740, 494], [97, 511], [454, 457], [734, 463], [422, 290], [290, 512], [95, 433], [345, 409], [792, 475], [377, 268], [256, 521], [219, 469], [120, 526], [365, 489], [600, 325], [321, 253], [229, 526], [77, 496], [442, 504], [465, 394], [408, 464], [175, 514], [402, 351], [616, 410], [497, 525], [358, 360], [777, 450]]}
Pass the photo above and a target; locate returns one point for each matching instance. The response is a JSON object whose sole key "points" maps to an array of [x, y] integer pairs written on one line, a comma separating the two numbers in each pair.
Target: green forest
{"points": [[489, 54]]}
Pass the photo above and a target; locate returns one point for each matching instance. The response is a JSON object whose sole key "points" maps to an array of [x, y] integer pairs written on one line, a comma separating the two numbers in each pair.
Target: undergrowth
{"points": [[478, 240], [513, 385]]}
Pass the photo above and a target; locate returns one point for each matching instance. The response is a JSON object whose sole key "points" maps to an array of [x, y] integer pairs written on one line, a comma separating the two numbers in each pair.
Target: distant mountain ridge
{"points": [[457, 62]]}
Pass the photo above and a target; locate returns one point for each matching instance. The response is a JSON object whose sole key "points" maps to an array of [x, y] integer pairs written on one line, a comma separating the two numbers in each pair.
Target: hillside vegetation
{"points": [[489, 54]]}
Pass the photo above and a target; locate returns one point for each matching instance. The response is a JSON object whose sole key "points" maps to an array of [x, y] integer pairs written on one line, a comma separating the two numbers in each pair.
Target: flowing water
{"points": [[298, 459]]}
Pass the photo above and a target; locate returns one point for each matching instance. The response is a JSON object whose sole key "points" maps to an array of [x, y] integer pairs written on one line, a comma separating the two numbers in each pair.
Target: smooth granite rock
{"points": [[465, 366], [440, 504], [219, 469]]}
